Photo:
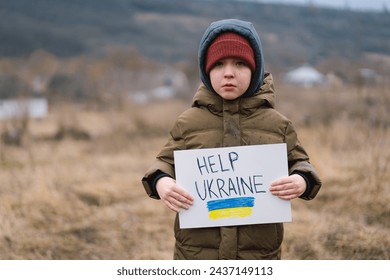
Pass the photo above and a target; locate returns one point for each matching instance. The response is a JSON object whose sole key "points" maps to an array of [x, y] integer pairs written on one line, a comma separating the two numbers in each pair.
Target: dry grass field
{"points": [[72, 190]]}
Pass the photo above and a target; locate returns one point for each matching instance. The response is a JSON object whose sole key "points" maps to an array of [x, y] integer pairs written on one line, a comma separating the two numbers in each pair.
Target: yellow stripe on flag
{"points": [[238, 212]]}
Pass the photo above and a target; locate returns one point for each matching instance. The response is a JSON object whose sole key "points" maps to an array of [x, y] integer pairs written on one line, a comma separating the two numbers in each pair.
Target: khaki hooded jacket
{"points": [[213, 122]]}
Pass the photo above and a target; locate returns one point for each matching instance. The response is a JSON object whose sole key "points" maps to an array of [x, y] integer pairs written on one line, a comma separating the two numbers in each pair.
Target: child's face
{"points": [[230, 78]]}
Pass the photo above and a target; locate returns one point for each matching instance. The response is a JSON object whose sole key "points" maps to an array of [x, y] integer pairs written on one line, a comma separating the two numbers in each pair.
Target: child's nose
{"points": [[229, 71]]}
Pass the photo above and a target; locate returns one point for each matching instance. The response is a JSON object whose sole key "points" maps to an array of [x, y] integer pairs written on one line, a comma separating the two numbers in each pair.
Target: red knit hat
{"points": [[230, 44]]}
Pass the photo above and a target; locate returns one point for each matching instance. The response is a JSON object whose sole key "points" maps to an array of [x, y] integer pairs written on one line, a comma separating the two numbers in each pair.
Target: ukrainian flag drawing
{"points": [[238, 207]]}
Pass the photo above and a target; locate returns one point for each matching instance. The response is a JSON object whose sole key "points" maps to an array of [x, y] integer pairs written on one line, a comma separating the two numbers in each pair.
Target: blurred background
{"points": [[90, 88]]}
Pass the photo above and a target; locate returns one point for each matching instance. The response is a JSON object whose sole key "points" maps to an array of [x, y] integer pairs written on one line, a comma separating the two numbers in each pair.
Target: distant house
{"points": [[305, 76], [17, 108], [369, 76], [157, 94], [160, 86]]}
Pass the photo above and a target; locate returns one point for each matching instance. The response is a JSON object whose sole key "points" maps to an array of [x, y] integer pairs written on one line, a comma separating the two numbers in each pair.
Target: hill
{"points": [[170, 30]]}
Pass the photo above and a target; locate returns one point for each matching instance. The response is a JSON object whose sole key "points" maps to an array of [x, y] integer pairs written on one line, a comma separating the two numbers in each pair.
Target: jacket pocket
{"points": [[197, 237], [263, 238]]}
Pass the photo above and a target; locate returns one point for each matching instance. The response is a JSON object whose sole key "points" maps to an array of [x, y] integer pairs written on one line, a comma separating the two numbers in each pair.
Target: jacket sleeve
{"points": [[299, 163], [164, 162]]}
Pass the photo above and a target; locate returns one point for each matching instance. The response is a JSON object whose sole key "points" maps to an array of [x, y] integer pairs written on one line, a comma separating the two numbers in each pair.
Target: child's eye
{"points": [[241, 63]]}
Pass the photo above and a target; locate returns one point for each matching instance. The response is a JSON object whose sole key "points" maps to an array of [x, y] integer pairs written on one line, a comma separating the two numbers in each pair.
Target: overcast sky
{"points": [[376, 5]]}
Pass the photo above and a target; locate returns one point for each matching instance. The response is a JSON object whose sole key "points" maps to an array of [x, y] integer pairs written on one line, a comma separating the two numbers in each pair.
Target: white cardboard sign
{"points": [[230, 185]]}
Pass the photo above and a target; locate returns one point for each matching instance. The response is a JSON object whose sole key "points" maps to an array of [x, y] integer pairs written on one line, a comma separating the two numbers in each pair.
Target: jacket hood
{"points": [[245, 29], [265, 97]]}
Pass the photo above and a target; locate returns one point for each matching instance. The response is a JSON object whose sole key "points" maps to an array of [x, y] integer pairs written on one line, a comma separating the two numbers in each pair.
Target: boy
{"points": [[233, 107]]}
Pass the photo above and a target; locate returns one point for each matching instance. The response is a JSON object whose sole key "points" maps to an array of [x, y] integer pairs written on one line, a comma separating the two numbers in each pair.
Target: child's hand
{"points": [[173, 196], [288, 187]]}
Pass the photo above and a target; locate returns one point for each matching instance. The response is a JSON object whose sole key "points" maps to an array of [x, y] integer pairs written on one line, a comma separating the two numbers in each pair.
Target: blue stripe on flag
{"points": [[230, 203]]}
